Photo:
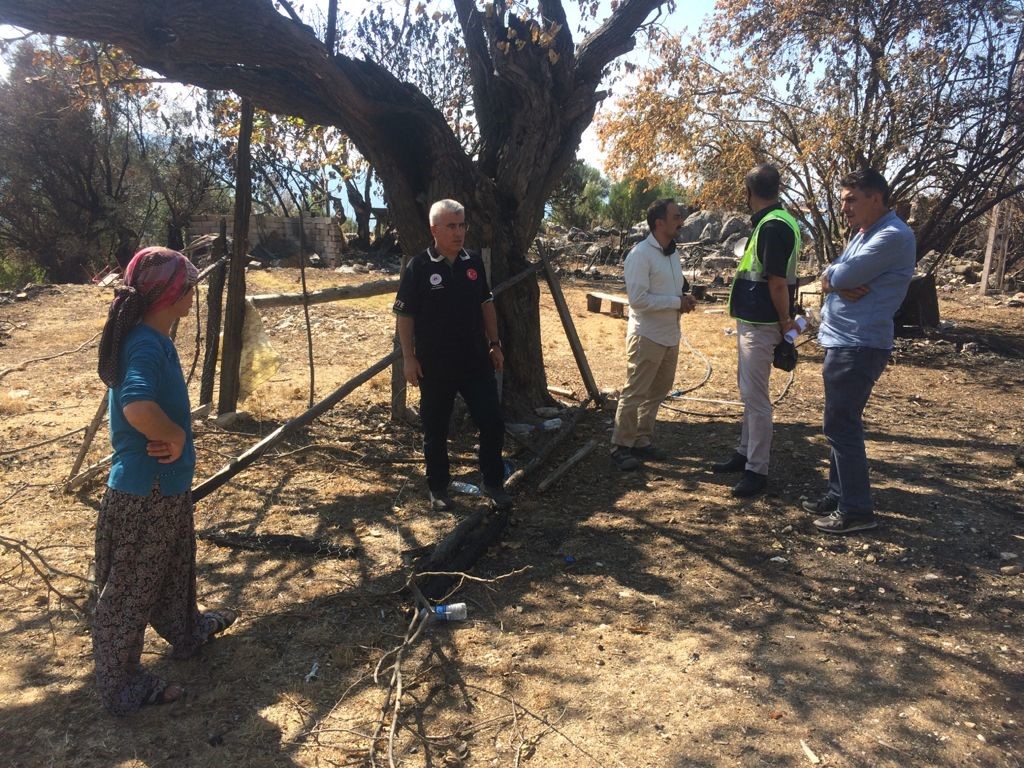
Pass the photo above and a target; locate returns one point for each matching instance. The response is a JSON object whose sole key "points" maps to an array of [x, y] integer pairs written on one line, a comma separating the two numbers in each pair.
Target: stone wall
{"points": [[280, 235]]}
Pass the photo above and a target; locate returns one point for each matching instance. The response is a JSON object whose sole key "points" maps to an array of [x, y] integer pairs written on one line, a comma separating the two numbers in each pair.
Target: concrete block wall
{"points": [[323, 234]]}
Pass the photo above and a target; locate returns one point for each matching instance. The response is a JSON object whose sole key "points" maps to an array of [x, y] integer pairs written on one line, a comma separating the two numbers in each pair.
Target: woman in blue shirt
{"points": [[145, 534]]}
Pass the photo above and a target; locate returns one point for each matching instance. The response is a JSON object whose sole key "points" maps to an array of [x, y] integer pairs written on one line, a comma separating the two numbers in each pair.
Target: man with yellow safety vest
{"points": [[761, 300]]}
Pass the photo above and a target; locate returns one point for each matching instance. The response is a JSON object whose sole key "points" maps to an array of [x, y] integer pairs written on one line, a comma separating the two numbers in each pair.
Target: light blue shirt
{"points": [[883, 258]]}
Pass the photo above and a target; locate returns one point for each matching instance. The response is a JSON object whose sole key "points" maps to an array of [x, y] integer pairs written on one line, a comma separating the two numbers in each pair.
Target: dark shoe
{"points": [[498, 496], [624, 459], [750, 484], [735, 463], [837, 522], [440, 500], [826, 505], [648, 453]]}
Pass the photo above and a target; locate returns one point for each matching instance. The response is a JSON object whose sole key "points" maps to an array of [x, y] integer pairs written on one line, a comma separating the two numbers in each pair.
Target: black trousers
{"points": [[437, 396]]}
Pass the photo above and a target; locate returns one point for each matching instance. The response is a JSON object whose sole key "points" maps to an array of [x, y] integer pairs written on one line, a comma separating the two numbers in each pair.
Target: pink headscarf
{"points": [[156, 278], [160, 275]]}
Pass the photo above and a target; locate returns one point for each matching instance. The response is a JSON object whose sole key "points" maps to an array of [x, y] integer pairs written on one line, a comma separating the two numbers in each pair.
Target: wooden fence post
{"points": [[234, 314], [399, 389], [214, 309]]}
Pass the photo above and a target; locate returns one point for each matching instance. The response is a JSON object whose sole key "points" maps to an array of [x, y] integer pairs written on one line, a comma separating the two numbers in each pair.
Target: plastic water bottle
{"points": [[457, 486], [801, 326], [550, 425], [450, 612]]}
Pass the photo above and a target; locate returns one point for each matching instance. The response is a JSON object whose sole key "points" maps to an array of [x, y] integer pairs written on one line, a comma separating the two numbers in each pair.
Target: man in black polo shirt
{"points": [[448, 330], [761, 300]]}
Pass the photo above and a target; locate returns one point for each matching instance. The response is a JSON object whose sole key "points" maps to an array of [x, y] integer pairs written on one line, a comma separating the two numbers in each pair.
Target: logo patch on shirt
{"points": [[435, 279], [471, 273]]}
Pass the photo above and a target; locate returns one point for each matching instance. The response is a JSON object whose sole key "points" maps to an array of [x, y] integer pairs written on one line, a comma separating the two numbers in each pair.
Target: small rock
{"points": [[1007, 555], [778, 559], [225, 420], [788, 529], [1011, 570], [870, 559]]}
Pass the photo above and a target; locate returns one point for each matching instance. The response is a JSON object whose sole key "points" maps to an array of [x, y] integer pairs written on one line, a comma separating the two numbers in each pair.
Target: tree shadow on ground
{"points": [[663, 558]]}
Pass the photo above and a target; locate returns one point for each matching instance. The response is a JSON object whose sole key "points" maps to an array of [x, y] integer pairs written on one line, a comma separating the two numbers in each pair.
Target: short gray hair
{"points": [[441, 207]]}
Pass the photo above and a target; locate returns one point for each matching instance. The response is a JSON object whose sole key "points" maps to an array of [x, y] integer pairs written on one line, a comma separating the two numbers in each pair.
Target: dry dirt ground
{"points": [[650, 619]]}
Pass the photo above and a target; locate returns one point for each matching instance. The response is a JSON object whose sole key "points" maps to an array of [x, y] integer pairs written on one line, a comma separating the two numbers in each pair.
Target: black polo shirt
{"points": [[445, 302], [752, 301], [774, 242]]}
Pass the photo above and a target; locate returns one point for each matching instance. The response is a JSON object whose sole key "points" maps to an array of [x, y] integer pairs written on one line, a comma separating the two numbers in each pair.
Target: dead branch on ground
{"points": [[21, 366], [37, 562], [42, 442]]}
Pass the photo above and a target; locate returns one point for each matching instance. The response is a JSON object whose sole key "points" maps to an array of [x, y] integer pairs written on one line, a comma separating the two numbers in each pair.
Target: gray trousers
{"points": [[755, 345]]}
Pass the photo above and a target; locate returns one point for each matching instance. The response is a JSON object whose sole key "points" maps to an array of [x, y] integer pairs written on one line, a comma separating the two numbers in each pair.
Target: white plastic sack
{"points": [[260, 361]]}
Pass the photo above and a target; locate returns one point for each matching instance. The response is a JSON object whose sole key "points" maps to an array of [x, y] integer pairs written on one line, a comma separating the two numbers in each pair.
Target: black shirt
{"points": [[775, 242], [445, 301], [752, 301]]}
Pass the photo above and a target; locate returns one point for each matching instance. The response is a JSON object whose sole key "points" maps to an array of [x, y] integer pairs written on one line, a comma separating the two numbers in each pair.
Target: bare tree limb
{"points": [[21, 366]]}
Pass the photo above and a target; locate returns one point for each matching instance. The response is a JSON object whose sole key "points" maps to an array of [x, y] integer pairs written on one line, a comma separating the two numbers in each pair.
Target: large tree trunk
{"points": [[535, 92]]}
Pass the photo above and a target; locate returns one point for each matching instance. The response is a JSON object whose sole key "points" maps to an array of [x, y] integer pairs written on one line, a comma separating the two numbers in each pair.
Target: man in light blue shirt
{"points": [[862, 289]]}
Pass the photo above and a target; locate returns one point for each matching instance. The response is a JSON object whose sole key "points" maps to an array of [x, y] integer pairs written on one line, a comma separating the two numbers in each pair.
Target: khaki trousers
{"points": [[756, 348], [650, 372]]}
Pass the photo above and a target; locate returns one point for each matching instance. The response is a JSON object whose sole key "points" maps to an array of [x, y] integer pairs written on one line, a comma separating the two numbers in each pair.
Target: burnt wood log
{"points": [[470, 539], [460, 550]]}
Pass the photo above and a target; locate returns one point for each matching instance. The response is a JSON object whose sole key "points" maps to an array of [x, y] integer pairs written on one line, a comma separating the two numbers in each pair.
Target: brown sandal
{"points": [[163, 692], [218, 620]]}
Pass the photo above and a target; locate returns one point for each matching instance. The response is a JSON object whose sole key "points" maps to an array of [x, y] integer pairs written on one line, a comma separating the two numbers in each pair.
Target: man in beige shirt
{"points": [[654, 284]]}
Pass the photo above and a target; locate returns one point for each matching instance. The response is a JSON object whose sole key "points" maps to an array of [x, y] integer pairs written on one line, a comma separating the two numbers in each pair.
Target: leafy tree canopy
{"points": [[930, 93]]}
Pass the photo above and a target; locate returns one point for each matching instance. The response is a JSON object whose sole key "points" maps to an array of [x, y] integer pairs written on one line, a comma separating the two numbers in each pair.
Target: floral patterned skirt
{"points": [[145, 574]]}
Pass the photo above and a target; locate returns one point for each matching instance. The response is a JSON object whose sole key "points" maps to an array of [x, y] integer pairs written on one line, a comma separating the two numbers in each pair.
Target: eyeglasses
{"points": [[460, 227]]}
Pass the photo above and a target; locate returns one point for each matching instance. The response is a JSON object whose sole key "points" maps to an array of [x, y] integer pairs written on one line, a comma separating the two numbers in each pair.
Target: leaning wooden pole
{"points": [[256, 451], [570, 332], [335, 293], [399, 388], [90, 433], [235, 466], [234, 314]]}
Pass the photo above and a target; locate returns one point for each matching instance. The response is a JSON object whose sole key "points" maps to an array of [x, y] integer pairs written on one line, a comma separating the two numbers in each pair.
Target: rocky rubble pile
{"points": [[708, 244]]}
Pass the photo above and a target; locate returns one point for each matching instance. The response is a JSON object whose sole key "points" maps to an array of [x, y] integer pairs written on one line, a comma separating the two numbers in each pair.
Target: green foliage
{"points": [[580, 199], [86, 173], [629, 199], [16, 273]]}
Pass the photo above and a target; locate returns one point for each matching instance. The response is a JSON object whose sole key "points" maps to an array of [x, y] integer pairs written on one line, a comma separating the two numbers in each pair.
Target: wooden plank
{"points": [[570, 332], [617, 297], [335, 293], [566, 466]]}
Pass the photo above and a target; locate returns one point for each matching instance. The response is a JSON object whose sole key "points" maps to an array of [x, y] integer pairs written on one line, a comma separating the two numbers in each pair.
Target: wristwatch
{"points": [[494, 344]]}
